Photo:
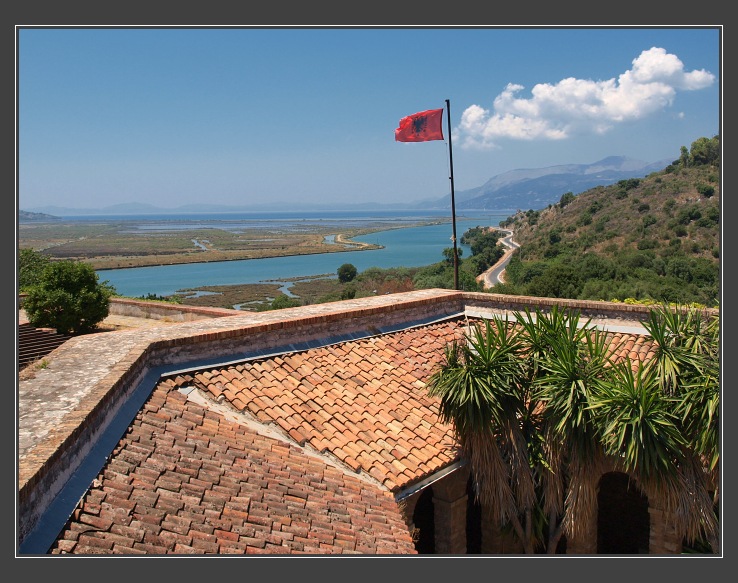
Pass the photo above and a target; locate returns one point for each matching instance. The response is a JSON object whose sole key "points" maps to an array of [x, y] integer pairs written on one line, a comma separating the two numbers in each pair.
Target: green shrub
{"points": [[68, 298], [347, 272]]}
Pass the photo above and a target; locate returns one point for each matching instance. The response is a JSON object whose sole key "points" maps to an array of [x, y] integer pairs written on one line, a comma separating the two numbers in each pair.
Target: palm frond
{"points": [[637, 423]]}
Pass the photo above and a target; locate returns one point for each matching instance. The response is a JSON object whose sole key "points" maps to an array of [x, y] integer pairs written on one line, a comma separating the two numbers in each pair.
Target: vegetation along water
{"points": [[400, 247]]}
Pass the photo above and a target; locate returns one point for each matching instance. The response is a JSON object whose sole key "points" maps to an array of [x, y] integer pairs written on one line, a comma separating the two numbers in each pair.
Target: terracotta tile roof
{"points": [[364, 401], [634, 346], [185, 480]]}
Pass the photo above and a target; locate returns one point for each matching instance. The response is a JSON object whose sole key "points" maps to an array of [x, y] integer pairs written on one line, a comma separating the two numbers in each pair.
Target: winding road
{"points": [[494, 274]]}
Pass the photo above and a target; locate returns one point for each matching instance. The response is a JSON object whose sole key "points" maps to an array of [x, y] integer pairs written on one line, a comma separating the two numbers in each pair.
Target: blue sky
{"points": [[241, 116]]}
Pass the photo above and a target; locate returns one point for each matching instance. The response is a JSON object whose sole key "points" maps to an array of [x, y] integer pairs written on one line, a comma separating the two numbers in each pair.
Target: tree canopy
{"points": [[68, 297], [346, 272]]}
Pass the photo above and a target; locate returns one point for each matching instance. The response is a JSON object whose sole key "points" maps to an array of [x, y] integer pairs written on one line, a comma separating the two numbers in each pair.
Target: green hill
{"points": [[654, 238], [29, 217]]}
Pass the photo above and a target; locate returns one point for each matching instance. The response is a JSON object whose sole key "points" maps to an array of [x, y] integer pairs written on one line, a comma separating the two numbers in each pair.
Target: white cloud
{"points": [[574, 106]]}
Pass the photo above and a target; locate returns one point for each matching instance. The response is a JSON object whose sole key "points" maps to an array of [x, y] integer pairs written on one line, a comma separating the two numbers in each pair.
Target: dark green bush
{"points": [[69, 298]]}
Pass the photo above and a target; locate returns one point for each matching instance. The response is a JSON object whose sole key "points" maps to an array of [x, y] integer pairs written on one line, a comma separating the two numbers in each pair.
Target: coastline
{"points": [[136, 261], [219, 257], [112, 244]]}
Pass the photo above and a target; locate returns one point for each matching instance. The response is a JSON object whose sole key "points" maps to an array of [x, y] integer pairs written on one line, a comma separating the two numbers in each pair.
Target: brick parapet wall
{"points": [[586, 308], [165, 311], [296, 329], [54, 461]]}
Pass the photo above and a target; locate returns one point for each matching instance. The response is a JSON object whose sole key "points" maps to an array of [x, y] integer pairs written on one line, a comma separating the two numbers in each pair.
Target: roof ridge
{"points": [[271, 430]]}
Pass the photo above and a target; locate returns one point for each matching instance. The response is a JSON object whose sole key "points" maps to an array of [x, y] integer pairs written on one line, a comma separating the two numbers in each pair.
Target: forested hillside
{"points": [[654, 238], [27, 217]]}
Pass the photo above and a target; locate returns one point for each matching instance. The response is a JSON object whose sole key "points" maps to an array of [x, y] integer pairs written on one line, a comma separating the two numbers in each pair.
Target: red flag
{"points": [[423, 126]]}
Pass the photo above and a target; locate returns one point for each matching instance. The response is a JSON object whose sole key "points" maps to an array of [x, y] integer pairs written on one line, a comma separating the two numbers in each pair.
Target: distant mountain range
{"points": [[536, 188], [522, 189]]}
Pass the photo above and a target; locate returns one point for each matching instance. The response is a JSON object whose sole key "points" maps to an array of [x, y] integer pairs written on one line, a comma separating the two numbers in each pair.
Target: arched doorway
{"points": [[623, 525], [473, 520], [423, 519]]}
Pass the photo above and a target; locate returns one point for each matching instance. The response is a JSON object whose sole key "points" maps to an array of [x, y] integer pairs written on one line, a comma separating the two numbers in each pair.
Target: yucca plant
{"points": [[687, 364], [572, 359], [539, 407], [482, 393]]}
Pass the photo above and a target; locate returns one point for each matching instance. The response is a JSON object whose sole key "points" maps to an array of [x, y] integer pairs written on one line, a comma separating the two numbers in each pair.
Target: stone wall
{"points": [[165, 311]]}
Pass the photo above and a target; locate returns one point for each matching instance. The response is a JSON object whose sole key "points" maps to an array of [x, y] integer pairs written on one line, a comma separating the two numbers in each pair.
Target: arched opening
{"points": [[561, 546], [473, 520], [423, 518], [623, 525]]}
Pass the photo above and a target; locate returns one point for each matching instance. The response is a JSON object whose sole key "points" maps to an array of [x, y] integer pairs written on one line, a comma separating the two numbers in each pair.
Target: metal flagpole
{"points": [[453, 203]]}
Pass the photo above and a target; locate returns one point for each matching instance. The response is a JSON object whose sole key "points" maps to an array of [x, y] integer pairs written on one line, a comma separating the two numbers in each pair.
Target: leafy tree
{"points": [[69, 298], [485, 250], [448, 254], [468, 281], [348, 292], [565, 199], [471, 234], [481, 240], [282, 301], [347, 272], [705, 151], [688, 214], [31, 265], [710, 217], [559, 280], [441, 274], [629, 183], [437, 275], [593, 266], [480, 262]]}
